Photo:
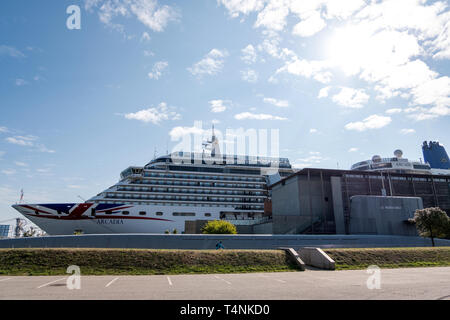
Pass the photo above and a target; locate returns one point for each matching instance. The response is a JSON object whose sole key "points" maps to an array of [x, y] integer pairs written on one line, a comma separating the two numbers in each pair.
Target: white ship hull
{"points": [[56, 220]]}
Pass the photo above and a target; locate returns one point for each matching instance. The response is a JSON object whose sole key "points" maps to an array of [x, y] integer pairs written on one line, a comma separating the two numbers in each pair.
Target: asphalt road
{"points": [[411, 283]]}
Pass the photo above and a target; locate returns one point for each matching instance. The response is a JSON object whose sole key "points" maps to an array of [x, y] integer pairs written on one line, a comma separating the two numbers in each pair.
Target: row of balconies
{"points": [[192, 191], [182, 198]]}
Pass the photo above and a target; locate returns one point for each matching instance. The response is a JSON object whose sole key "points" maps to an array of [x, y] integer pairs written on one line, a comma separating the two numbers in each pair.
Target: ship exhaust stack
{"points": [[435, 155]]}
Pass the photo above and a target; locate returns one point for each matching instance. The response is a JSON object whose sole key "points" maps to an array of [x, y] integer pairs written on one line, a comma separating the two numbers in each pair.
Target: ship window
{"points": [[92, 212], [142, 213], [59, 211], [207, 214], [108, 212], [36, 212], [184, 214], [159, 213], [125, 212]]}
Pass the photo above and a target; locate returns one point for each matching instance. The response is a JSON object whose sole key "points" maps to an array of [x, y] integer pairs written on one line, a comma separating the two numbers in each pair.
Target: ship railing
{"points": [[248, 221]]}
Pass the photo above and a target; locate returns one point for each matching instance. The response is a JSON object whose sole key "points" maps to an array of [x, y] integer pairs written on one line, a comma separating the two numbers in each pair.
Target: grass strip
{"points": [[361, 258], [141, 261]]}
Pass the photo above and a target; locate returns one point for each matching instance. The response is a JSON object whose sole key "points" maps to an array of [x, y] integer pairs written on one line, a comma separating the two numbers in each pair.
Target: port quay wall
{"points": [[182, 241]]}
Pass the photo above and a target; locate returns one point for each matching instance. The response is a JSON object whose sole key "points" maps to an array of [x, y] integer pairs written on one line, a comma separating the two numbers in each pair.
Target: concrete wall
{"points": [[317, 258], [263, 228], [183, 241], [383, 215]]}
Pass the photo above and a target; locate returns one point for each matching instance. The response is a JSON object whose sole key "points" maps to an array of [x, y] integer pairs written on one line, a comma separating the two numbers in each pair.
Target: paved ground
{"points": [[411, 283]]}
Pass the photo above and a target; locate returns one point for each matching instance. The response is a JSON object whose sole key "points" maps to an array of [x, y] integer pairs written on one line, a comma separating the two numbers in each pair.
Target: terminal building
{"points": [[324, 201], [376, 196]]}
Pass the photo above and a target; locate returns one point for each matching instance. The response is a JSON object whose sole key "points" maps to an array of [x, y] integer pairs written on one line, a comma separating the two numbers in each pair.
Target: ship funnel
{"points": [[435, 155]]}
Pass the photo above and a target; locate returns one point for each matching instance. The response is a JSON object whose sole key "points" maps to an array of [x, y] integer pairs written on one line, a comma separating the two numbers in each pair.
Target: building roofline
{"points": [[371, 173]]}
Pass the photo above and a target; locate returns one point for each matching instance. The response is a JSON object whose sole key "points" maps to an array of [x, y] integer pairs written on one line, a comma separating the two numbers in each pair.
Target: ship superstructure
{"points": [[396, 164], [436, 162]]}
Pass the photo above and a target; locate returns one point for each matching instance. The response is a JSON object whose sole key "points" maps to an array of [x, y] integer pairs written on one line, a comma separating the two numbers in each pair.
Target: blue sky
{"points": [[341, 82]]}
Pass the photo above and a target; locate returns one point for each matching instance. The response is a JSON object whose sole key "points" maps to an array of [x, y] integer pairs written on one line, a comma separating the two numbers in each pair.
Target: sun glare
{"points": [[348, 48]]}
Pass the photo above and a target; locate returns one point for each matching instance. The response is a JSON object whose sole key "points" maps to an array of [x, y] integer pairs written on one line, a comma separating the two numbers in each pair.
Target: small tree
{"points": [[431, 222], [175, 231], [219, 227]]}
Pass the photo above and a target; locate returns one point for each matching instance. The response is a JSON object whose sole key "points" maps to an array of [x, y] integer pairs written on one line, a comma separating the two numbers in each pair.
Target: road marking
{"points": [[49, 283], [111, 282], [228, 282], [5, 279], [170, 282]]}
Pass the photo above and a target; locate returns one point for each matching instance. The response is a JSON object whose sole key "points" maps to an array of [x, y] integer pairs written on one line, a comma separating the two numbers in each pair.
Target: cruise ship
{"points": [[396, 164], [435, 157], [168, 191]]}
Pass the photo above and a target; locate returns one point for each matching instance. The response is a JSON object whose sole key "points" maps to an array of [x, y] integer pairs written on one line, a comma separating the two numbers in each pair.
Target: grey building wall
{"points": [[303, 205], [263, 228], [383, 215], [318, 200], [338, 209]]}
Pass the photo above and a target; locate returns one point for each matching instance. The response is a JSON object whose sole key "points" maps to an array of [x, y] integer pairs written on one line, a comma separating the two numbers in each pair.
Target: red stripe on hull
{"points": [[79, 210]]}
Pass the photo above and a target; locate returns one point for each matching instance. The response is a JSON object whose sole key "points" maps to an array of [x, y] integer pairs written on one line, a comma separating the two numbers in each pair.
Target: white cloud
{"points": [[273, 16], [353, 149], [157, 69], [20, 164], [9, 172], [313, 130], [74, 186], [342, 9], [22, 140], [211, 64], [28, 141], [323, 93], [3, 129], [154, 115], [145, 37], [314, 159], [179, 132], [43, 148], [433, 92], [351, 98], [11, 51], [249, 75], [393, 110], [256, 116], [249, 55], [372, 122], [407, 131], [277, 103], [218, 106], [149, 12], [21, 82], [237, 7], [148, 53], [308, 69], [309, 26]]}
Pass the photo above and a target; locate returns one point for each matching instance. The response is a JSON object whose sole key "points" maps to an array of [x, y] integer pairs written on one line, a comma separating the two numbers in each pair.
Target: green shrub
{"points": [[219, 227]]}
